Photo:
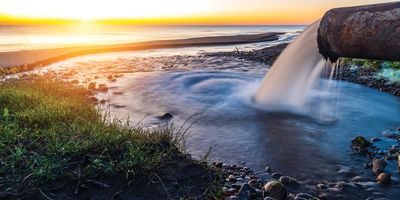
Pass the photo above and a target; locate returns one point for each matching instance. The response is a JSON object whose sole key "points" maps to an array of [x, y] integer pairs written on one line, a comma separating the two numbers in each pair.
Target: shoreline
{"points": [[32, 58]]}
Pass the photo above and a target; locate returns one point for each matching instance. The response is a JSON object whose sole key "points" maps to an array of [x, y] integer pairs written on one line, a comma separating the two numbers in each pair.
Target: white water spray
{"points": [[294, 73]]}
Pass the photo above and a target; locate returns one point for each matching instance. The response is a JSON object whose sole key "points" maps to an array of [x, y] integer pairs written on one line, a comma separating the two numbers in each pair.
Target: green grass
{"points": [[48, 128]]}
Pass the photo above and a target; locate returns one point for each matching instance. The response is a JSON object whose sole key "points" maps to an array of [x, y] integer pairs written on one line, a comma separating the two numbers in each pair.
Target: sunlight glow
{"points": [[171, 11], [101, 9]]}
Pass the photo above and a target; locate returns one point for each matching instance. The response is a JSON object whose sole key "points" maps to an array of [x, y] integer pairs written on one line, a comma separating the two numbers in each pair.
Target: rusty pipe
{"points": [[369, 32]]}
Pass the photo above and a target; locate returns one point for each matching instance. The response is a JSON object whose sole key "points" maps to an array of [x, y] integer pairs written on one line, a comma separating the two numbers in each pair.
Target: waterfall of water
{"points": [[294, 73]]}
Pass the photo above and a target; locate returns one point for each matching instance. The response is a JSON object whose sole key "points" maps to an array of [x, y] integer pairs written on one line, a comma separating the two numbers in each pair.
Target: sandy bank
{"points": [[33, 58]]}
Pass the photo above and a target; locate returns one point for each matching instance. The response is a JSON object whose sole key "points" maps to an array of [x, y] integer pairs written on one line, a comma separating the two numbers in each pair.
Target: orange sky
{"points": [[169, 11]]}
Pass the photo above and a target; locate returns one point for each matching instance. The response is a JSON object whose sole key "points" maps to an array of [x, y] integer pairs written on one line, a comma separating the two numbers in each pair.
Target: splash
{"points": [[293, 74]]}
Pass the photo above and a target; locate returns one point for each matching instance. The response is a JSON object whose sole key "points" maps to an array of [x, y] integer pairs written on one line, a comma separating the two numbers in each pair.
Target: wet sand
{"points": [[33, 58]]}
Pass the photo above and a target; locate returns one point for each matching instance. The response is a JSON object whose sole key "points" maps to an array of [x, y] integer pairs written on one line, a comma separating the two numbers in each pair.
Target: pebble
{"points": [[378, 165], [305, 196], [289, 181], [252, 182], [92, 86], [246, 192], [232, 178], [268, 169], [376, 139], [232, 198], [166, 116], [276, 175], [383, 178], [321, 186], [398, 162], [275, 189], [360, 144]]}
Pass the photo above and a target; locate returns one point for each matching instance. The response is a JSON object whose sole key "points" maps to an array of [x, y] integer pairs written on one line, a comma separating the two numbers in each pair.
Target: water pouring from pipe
{"points": [[293, 74]]}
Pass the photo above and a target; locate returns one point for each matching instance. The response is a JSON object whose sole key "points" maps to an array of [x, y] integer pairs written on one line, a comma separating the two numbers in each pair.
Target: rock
{"points": [[237, 185], [398, 162], [232, 178], [166, 116], [275, 189], [378, 166], [252, 182], [102, 101], [110, 77], [375, 139], [218, 164], [289, 181], [322, 186], [241, 162], [75, 82], [360, 144], [92, 86], [383, 178], [232, 198], [367, 165], [305, 196], [268, 169], [276, 175], [102, 88], [246, 192], [359, 179]]}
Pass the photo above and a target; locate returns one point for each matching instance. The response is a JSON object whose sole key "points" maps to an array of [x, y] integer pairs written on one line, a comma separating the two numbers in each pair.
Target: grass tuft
{"points": [[51, 130]]}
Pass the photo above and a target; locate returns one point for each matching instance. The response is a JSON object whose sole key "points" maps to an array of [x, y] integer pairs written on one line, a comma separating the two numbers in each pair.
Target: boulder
{"points": [[275, 189], [378, 165]]}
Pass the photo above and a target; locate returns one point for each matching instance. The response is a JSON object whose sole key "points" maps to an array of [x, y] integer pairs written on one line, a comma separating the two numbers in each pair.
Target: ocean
{"points": [[28, 37]]}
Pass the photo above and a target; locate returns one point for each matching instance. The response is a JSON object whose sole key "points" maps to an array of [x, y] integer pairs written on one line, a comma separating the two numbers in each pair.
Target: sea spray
{"points": [[293, 74]]}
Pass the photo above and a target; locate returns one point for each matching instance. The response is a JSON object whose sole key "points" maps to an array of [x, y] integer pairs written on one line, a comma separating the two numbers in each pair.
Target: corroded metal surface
{"points": [[371, 32]]}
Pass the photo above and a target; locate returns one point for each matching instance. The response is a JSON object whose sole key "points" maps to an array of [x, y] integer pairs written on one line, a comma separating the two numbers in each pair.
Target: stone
{"points": [[359, 143], [218, 164], [232, 178], [383, 178], [92, 86], [110, 77], [166, 116], [276, 175], [75, 82], [268, 169], [232, 198], [289, 181], [398, 162], [246, 192], [275, 189], [252, 182], [378, 165], [102, 88], [322, 186], [375, 139], [305, 196]]}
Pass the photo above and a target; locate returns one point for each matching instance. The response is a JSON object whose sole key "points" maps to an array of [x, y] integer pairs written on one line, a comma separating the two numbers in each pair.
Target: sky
{"points": [[207, 12]]}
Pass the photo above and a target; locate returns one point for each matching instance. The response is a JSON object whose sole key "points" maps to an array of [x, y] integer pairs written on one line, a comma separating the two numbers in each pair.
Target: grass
{"points": [[386, 70], [51, 130]]}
